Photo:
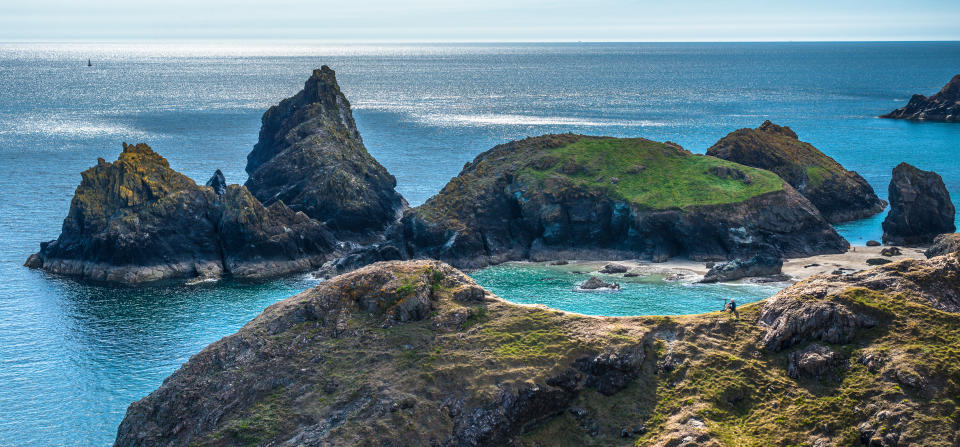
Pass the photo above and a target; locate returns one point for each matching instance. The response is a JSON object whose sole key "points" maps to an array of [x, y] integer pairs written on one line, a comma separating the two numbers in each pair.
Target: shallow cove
{"points": [[648, 294]]}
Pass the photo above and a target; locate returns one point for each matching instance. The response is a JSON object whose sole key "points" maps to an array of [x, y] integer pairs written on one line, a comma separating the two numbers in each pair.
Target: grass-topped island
{"points": [[586, 197]]}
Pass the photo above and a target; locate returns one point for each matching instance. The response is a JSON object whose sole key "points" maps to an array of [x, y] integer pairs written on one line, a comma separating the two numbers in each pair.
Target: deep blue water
{"points": [[73, 356]]}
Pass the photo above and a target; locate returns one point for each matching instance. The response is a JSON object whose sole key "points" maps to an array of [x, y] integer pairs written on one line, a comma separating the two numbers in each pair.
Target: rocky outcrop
{"points": [[759, 265], [554, 197], [942, 106], [839, 194], [137, 220], [595, 283], [311, 157], [415, 353], [944, 244], [920, 207], [218, 182]]}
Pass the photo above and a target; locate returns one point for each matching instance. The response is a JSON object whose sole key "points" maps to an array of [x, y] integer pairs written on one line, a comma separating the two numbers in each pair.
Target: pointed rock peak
{"points": [[218, 183], [952, 88], [141, 154], [322, 87], [768, 126]]}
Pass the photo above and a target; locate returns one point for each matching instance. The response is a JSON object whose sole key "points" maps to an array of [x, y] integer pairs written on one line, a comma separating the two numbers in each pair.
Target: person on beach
{"points": [[732, 306]]}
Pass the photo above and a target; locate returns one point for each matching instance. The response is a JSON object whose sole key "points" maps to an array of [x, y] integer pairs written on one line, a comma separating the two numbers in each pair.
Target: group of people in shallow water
{"points": [[732, 307]]}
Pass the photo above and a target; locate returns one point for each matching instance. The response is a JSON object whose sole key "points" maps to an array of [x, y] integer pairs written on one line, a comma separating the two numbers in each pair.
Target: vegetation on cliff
{"points": [[839, 194], [414, 353]]}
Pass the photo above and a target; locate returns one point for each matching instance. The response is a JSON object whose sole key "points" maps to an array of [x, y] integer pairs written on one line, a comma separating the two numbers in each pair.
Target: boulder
{"points": [[137, 220], [942, 106], [839, 194], [872, 243], [815, 361], [920, 207], [540, 199], [614, 268], [878, 261], [311, 157], [890, 251], [944, 244], [594, 283], [759, 265]]}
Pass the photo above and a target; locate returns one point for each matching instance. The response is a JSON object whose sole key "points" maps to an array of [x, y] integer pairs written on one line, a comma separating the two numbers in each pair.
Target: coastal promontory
{"points": [[583, 197], [942, 106], [137, 220], [311, 157], [416, 353], [839, 194], [920, 207]]}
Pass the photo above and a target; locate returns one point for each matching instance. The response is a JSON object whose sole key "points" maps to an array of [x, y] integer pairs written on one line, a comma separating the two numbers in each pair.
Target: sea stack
{"points": [[137, 220], [942, 106], [311, 157], [920, 207], [583, 197], [839, 194]]}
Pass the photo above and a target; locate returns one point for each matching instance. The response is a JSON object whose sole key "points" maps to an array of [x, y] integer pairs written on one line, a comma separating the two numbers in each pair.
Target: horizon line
{"points": [[403, 41]]}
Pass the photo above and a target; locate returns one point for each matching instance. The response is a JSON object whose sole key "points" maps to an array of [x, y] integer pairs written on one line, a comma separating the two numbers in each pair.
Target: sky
{"points": [[479, 20]]}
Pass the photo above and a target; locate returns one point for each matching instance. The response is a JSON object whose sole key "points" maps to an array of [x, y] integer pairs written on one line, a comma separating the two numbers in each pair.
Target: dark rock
{"points": [[560, 262], [759, 265], [710, 265], [614, 268], [218, 183], [595, 283], [791, 321], [942, 106], [310, 156], [920, 207], [610, 372], [944, 244], [878, 261], [839, 194], [137, 220], [890, 251], [631, 275], [815, 361], [496, 211], [872, 243]]}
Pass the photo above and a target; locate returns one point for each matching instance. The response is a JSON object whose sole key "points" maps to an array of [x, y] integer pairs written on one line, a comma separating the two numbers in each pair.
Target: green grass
{"points": [[651, 175]]}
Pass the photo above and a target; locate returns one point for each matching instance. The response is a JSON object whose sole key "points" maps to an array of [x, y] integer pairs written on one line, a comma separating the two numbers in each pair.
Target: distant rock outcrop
{"points": [[920, 207], [759, 265], [311, 157], [839, 194], [595, 283], [137, 220], [554, 197], [942, 106], [218, 183]]}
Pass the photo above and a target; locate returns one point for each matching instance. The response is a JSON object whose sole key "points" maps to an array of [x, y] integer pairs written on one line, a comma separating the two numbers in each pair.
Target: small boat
{"points": [[89, 64]]}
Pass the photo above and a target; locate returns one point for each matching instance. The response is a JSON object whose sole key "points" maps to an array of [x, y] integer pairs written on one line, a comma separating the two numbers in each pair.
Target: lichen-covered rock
{"points": [[549, 197], [137, 220], [311, 157], [942, 106], [760, 265], [944, 244], [839, 194], [815, 361], [920, 207]]}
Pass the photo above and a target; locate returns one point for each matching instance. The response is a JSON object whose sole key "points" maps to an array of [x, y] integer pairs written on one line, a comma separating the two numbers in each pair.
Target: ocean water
{"points": [[74, 355]]}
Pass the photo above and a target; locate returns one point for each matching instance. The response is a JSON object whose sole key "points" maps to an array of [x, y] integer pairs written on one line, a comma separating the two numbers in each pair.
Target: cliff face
{"points": [[920, 207], [138, 220], [415, 353], [574, 196], [311, 157], [942, 106], [839, 194]]}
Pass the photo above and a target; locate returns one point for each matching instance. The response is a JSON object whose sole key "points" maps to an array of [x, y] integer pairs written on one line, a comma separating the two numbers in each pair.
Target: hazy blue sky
{"points": [[483, 20]]}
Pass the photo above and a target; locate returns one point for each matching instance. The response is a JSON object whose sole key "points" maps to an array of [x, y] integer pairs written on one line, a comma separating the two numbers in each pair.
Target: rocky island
{"points": [[137, 220], [839, 194], [920, 207], [942, 106], [311, 157], [584, 197], [415, 353]]}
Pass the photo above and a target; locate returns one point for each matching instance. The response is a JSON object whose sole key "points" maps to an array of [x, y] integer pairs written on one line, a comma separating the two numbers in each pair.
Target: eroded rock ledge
{"points": [[415, 353], [942, 106]]}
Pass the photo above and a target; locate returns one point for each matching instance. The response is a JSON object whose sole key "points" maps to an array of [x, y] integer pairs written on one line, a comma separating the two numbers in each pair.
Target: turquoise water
{"points": [[73, 356], [555, 287]]}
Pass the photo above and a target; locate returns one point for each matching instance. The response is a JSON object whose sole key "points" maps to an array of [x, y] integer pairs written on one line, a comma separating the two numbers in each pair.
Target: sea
{"points": [[74, 355]]}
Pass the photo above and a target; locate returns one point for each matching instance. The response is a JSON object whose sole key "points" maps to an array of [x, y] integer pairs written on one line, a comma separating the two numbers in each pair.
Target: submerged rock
{"points": [[944, 244], [138, 220], [920, 207], [548, 198], [595, 283], [839, 194], [311, 157], [759, 265], [942, 106]]}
